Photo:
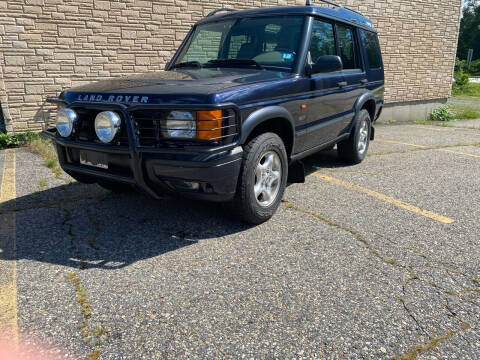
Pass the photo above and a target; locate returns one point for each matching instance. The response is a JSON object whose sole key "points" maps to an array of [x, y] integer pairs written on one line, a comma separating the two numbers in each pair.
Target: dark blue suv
{"points": [[247, 95]]}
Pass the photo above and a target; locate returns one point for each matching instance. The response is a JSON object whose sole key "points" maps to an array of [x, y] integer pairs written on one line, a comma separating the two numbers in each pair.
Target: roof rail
{"points": [[219, 10], [329, 2]]}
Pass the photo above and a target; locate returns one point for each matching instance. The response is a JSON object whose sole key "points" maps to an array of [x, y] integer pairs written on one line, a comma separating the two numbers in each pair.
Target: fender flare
{"points": [[261, 115], [362, 100]]}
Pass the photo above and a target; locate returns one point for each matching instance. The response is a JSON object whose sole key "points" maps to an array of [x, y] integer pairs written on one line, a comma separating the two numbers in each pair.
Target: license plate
{"points": [[96, 159]]}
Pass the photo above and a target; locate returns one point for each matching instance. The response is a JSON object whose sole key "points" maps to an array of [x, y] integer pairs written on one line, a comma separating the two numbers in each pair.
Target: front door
{"points": [[326, 99]]}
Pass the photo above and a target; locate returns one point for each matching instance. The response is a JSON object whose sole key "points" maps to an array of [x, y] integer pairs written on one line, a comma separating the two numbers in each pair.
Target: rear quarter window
{"points": [[372, 48]]}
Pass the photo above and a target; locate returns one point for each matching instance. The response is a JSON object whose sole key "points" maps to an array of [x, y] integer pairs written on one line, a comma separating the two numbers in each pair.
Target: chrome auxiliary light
{"points": [[65, 121], [107, 126]]}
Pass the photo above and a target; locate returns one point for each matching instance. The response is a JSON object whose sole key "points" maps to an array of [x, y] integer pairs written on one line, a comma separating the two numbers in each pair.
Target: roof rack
{"points": [[329, 2], [219, 10]]}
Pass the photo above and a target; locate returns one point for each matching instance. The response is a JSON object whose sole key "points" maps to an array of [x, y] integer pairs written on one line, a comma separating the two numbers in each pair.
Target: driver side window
{"points": [[323, 40]]}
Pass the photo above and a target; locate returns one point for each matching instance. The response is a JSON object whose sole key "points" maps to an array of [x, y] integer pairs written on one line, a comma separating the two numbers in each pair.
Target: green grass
{"points": [[462, 112], [466, 112], [430, 122], [45, 149], [43, 183], [36, 144], [22, 139], [471, 89]]}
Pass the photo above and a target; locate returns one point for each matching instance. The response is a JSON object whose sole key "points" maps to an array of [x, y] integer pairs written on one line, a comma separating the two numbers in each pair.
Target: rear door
{"points": [[354, 75]]}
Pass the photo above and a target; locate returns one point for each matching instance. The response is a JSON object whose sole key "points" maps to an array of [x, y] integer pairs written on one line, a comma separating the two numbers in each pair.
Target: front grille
{"points": [[150, 129], [146, 126]]}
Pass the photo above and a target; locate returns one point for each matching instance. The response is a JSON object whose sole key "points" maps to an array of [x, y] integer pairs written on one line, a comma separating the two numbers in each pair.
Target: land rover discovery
{"points": [[247, 95]]}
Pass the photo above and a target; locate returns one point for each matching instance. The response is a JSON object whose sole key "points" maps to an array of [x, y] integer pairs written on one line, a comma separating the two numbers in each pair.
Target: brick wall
{"points": [[50, 45]]}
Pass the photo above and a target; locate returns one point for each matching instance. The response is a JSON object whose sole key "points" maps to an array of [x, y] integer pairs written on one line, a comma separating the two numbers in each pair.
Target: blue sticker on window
{"points": [[287, 56]]}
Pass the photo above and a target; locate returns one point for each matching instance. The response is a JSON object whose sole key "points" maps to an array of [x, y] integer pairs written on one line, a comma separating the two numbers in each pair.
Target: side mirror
{"points": [[326, 64]]}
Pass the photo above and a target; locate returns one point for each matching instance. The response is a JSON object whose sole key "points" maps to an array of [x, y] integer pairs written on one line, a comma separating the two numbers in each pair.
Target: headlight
{"points": [[107, 125], [65, 121], [181, 124]]}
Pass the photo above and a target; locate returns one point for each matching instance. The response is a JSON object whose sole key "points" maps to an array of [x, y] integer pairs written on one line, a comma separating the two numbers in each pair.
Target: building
{"points": [[49, 45]]}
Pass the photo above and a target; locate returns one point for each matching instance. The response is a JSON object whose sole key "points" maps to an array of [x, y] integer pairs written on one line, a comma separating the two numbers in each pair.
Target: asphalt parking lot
{"points": [[373, 261]]}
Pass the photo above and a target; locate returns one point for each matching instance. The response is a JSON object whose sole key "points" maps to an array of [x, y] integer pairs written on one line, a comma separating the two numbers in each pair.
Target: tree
{"points": [[469, 37]]}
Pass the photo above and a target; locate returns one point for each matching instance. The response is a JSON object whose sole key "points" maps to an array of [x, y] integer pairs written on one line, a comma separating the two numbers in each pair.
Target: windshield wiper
{"points": [[187, 64], [236, 62]]}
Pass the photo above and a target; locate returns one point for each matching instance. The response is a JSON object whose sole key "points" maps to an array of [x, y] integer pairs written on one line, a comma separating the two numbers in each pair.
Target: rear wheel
{"points": [[354, 149], [262, 180]]}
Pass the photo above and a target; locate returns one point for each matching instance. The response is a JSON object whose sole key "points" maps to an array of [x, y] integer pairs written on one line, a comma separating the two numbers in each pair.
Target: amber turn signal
{"points": [[209, 124]]}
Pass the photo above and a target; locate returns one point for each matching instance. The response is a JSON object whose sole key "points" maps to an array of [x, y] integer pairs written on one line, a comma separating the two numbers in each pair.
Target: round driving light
{"points": [[107, 125], [64, 121]]}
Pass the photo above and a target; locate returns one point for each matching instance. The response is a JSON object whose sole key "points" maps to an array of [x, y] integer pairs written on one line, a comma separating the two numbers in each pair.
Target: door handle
{"points": [[364, 81], [342, 84]]}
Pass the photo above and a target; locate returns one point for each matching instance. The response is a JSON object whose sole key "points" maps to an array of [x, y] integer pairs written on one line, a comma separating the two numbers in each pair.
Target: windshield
{"points": [[271, 42]]}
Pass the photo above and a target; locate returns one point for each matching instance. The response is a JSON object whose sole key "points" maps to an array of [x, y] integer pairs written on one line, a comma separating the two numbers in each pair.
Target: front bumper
{"points": [[157, 170]]}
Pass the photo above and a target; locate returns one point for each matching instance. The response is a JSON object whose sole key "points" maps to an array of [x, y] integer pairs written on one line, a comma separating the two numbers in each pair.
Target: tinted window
{"points": [[372, 47], [346, 44], [323, 40], [236, 43], [205, 44]]}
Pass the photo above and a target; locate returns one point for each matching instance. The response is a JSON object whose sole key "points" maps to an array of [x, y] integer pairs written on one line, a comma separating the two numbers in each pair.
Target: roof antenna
{"points": [[309, 3]]}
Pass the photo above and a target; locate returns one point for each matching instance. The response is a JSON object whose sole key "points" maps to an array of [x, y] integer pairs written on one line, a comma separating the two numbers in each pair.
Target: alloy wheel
{"points": [[268, 178]]}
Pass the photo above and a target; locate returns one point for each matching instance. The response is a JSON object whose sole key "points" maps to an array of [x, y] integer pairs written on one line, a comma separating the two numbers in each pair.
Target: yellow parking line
{"points": [[459, 153], [438, 128], [386, 198], [428, 147], [8, 269], [426, 127]]}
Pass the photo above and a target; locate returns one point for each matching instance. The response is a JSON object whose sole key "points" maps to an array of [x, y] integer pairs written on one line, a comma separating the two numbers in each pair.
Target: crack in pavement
{"points": [[407, 309], [435, 264], [420, 349], [355, 233], [92, 337], [433, 342]]}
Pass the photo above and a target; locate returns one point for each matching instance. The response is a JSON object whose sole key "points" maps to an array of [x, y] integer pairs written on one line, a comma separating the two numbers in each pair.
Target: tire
{"points": [[115, 187], [262, 180], [354, 149]]}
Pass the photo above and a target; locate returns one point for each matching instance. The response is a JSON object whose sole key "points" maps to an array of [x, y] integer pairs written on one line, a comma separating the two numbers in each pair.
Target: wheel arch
{"points": [[368, 102], [274, 119]]}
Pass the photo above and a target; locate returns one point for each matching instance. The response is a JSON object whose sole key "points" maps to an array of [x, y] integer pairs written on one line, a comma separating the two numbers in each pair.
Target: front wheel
{"points": [[354, 149], [262, 180]]}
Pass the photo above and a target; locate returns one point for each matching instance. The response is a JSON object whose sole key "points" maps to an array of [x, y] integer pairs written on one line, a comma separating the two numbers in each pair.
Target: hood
{"points": [[192, 86]]}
